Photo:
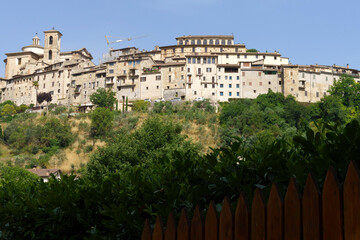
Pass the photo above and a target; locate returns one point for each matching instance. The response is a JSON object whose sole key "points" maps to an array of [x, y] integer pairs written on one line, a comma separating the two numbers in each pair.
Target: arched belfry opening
{"points": [[50, 55], [51, 40]]}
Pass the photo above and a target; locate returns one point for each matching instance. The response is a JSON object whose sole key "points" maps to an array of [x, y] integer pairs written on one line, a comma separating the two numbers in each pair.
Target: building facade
{"points": [[208, 66]]}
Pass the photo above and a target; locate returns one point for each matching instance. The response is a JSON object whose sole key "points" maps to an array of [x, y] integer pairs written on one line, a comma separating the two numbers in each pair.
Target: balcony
{"points": [[109, 81]]}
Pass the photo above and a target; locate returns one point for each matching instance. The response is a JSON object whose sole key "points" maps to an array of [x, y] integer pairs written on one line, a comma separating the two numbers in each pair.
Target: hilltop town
{"points": [[196, 67]]}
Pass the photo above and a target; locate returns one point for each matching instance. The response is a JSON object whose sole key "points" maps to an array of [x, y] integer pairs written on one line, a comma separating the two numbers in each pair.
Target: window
{"points": [[157, 86], [237, 77], [193, 60], [229, 42], [50, 55], [314, 76], [230, 86], [169, 78], [260, 83], [237, 85], [293, 81], [198, 42], [192, 42], [111, 71], [182, 49], [221, 85], [198, 61], [245, 56], [169, 69], [243, 74], [292, 89], [259, 73], [204, 42], [226, 77], [230, 77], [211, 42], [195, 92], [111, 64], [217, 42], [181, 42], [18, 61], [317, 94], [326, 78], [188, 69], [274, 58], [238, 56], [221, 49], [205, 49], [51, 40], [236, 50], [213, 86], [199, 70], [158, 77], [173, 50], [305, 93], [182, 68], [219, 77], [221, 93], [250, 83], [58, 90], [193, 49], [189, 60], [204, 60], [205, 85], [230, 94], [213, 60], [237, 94], [143, 79], [227, 55], [186, 42], [182, 77], [208, 69], [254, 91]]}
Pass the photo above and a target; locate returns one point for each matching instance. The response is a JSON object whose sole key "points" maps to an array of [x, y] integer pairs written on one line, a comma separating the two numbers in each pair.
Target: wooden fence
{"points": [[332, 215]]}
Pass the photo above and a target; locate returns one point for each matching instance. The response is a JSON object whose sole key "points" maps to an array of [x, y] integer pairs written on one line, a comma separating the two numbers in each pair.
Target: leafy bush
{"points": [[101, 121], [140, 106]]}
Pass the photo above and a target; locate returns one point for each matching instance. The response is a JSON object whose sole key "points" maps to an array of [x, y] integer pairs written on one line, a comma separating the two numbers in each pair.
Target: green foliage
{"points": [[101, 121], [140, 106], [22, 108], [8, 110], [252, 50], [103, 98], [347, 90]]}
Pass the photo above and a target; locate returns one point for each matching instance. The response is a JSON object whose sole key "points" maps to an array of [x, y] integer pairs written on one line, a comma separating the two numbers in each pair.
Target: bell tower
{"points": [[52, 46]]}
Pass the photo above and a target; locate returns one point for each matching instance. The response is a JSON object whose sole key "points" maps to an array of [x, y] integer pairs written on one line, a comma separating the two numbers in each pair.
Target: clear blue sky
{"points": [[308, 32]]}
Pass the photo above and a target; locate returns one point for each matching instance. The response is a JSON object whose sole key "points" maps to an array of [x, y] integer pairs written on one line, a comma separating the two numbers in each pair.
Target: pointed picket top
{"points": [[183, 230], [312, 226], [352, 203], [197, 226], [211, 223], [332, 208], [146, 233], [158, 233], [242, 219], [170, 232], [292, 212], [275, 219], [258, 217], [226, 221]]}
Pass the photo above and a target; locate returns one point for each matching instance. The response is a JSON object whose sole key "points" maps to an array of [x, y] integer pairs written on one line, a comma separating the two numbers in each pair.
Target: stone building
{"points": [[207, 66], [42, 69]]}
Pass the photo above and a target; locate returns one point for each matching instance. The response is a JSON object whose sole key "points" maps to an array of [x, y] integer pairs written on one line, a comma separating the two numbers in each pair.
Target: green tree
{"points": [[101, 121], [347, 90], [140, 106], [252, 50], [8, 110], [103, 98]]}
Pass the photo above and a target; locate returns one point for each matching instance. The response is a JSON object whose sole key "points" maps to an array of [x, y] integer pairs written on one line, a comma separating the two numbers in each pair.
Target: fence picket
{"points": [[275, 215], [226, 224], [211, 223], [352, 203], [197, 226], [332, 208], [242, 219], [292, 212], [146, 233], [311, 209], [183, 230], [158, 233], [170, 232], [258, 217]]}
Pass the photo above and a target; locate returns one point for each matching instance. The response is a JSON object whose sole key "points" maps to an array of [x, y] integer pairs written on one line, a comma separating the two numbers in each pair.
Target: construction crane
{"points": [[108, 41]]}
